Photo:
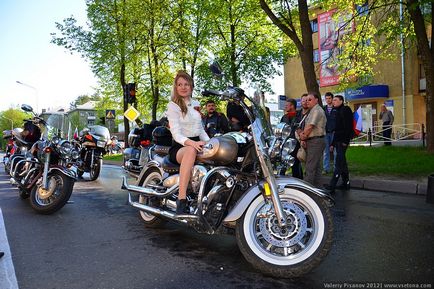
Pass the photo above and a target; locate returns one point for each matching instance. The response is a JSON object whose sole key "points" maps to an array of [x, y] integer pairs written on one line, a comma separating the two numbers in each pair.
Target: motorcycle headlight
{"points": [[287, 148], [100, 144], [276, 149], [282, 130], [75, 154], [65, 148]]}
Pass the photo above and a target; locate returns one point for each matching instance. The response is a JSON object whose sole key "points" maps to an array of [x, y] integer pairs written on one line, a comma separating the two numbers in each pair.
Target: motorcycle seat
{"points": [[169, 167]]}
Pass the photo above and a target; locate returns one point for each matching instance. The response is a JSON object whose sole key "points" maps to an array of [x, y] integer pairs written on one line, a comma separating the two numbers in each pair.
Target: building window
{"points": [[91, 122], [314, 25], [315, 56], [91, 113]]}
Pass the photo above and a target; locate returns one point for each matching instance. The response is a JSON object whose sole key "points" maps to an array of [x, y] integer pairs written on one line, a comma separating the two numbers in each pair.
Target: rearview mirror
{"points": [[26, 107], [216, 69]]}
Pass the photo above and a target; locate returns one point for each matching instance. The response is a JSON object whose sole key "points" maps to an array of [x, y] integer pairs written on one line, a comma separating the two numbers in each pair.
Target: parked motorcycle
{"points": [[92, 144], [145, 144], [283, 225], [114, 147], [45, 174], [9, 150]]}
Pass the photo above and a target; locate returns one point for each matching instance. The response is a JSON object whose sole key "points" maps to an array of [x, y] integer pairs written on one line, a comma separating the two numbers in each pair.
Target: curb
{"points": [[365, 183], [393, 186]]}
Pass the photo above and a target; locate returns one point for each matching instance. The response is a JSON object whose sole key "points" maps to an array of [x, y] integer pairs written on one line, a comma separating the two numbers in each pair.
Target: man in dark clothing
{"points": [[213, 121], [387, 118], [290, 117], [237, 118], [343, 133], [330, 125]]}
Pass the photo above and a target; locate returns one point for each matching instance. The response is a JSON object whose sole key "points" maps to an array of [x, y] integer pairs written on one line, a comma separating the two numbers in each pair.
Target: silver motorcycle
{"points": [[283, 225]]}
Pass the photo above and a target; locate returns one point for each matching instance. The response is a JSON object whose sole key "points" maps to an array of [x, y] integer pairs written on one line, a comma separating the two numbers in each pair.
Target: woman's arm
{"points": [[173, 115]]}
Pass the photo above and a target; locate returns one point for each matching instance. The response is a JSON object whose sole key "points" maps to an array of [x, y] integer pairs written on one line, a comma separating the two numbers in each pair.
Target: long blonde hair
{"points": [[175, 97]]}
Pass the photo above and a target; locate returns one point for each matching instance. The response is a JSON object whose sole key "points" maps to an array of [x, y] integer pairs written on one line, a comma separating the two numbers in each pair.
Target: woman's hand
{"points": [[197, 145]]}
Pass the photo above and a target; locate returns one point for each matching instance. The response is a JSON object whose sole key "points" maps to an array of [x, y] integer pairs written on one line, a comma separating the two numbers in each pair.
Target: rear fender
{"points": [[146, 167], [282, 182]]}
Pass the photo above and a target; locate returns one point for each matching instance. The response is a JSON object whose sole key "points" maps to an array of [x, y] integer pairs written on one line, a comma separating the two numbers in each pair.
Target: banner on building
{"points": [[330, 31]]}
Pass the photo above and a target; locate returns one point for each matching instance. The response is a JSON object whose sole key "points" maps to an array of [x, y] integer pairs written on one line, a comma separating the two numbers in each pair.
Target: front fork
{"points": [[45, 174]]}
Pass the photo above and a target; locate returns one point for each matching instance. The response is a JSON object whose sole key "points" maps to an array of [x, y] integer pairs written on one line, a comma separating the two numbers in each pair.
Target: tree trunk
{"points": [[426, 52], [124, 89], [304, 46]]}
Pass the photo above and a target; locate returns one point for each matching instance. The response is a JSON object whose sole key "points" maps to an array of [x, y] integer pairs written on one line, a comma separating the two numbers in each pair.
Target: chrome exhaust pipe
{"points": [[158, 212], [146, 191]]}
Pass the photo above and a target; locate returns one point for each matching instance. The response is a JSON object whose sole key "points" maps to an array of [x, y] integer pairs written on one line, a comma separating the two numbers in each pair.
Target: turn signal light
{"points": [[145, 143], [47, 150], [88, 136]]}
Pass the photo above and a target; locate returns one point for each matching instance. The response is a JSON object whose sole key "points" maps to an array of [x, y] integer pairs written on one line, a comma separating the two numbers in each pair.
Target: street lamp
{"points": [[36, 92]]}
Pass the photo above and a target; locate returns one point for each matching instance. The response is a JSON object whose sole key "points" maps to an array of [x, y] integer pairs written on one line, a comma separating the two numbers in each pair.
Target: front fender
{"points": [[282, 182], [69, 173]]}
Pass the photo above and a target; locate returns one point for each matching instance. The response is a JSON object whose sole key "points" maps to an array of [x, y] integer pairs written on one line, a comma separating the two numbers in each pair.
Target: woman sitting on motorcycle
{"points": [[187, 131]]}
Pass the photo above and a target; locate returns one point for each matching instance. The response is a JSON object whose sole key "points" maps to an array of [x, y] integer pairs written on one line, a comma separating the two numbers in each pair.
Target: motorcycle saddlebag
{"points": [[162, 136]]}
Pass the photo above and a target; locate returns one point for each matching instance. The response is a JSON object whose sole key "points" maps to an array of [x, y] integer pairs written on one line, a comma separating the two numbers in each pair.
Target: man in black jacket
{"points": [[213, 121], [343, 133]]}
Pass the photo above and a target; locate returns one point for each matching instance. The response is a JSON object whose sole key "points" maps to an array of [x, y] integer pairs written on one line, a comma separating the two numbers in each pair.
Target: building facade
{"points": [[403, 92]]}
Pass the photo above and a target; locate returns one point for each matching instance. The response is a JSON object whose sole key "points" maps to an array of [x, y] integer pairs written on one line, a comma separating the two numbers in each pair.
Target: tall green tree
{"points": [[292, 18], [246, 43]]}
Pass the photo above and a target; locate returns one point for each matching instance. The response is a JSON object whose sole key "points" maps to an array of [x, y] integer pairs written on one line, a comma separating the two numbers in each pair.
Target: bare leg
{"points": [[186, 156]]}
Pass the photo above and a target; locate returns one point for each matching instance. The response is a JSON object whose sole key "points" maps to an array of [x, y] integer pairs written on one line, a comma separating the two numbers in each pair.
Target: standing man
{"points": [[214, 121], [290, 117], [330, 126], [343, 134], [387, 118], [312, 139]]}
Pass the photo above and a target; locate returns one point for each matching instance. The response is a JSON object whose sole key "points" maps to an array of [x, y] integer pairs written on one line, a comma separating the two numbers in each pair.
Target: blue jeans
{"points": [[326, 156]]}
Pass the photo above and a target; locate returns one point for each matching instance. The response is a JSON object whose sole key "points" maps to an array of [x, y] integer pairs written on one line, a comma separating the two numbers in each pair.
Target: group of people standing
{"points": [[320, 131]]}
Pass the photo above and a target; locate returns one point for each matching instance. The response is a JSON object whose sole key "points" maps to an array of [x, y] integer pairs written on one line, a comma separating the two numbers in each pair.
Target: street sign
{"points": [[110, 113], [131, 114]]}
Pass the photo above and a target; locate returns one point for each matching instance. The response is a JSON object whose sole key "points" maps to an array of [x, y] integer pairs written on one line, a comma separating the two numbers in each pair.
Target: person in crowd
{"points": [[343, 133], [386, 116], [214, 121], [311, 137], [187, 131], [329, 112], [238, 120], [290, 117]]}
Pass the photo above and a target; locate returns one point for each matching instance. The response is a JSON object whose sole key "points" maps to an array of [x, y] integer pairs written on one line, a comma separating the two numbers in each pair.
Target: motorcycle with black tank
{"points": [[92, 144], [45, 175], [283, 226]]}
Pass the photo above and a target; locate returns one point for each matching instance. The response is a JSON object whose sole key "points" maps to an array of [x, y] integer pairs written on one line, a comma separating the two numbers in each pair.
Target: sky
{"points": [[51, 76]]}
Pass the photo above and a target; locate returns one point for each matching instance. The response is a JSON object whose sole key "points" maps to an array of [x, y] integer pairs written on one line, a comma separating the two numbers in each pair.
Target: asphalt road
{"points": [[98, 241]]}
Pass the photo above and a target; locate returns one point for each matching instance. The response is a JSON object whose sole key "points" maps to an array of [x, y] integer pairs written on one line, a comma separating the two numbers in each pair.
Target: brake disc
{"points": [[289, 235]]}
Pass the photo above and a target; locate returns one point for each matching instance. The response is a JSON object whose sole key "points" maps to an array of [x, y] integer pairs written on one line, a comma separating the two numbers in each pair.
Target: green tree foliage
{"points": [[11, 118]]}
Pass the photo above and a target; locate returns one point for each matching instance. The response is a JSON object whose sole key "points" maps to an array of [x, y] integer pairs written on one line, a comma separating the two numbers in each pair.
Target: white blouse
{"points": [[183, 127]]}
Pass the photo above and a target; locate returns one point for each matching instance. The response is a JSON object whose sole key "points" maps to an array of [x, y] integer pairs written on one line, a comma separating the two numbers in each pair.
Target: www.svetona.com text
{"points": [[377, 285]]}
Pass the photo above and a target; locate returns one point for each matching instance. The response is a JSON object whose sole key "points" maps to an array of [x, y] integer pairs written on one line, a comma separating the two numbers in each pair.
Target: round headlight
{"points": [[282, 130], [276, 149], [287, 148], [65, 147], [74, 154]]}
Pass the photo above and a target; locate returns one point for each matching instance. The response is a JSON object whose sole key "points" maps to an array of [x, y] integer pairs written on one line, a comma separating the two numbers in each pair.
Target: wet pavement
{"points": [[98, 241]]}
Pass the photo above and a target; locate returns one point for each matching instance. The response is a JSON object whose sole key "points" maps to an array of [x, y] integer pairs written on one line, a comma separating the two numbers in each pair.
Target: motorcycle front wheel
{"points": [[95, 170], [291, 251], [153, 177], [54, 197]]}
